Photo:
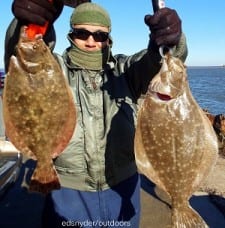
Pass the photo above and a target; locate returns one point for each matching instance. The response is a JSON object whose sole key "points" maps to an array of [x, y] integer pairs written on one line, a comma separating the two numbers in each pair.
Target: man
{"points": [[100, 184]]}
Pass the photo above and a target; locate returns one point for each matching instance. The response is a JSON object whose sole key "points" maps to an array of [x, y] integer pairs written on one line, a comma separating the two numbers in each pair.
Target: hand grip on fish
{"points": [[32, 29], [159, 4]]}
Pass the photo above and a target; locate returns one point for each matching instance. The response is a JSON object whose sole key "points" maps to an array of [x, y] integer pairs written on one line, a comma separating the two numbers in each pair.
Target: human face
{"points": [[90, 44]]}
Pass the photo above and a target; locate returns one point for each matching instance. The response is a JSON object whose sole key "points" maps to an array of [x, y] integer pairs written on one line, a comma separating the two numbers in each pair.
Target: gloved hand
{"points": [[37, 11], [165, 27]]}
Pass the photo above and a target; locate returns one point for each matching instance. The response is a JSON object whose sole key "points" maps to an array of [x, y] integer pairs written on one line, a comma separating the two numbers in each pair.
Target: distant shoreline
{"points": [[222, 66]]}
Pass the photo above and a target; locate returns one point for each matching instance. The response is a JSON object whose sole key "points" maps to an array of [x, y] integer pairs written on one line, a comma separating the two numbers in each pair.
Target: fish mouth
{"points": [[163, 97], [160, 91]]}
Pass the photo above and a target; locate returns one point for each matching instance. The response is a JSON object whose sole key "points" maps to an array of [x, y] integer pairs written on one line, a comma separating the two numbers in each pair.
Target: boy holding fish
{"points": [[97, 171]]}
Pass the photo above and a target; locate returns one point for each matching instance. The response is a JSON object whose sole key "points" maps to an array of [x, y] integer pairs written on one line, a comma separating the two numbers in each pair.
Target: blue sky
{"points": [[203, 23]]}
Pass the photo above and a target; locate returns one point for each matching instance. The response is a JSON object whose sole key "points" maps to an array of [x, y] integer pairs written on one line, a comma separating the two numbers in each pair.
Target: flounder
{"points": [[175, 144], [38, 108]]}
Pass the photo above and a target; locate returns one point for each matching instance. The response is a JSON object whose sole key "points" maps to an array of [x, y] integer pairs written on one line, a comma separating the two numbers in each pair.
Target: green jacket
{"points": [[101, 152]]}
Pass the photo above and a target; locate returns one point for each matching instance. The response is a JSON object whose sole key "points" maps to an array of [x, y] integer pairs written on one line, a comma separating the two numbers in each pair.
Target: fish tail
{"points": [[187, 217], [44, 179]]}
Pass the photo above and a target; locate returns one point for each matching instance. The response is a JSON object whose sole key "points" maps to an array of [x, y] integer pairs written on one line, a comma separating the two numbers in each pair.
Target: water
{"points": [[208, 87]]}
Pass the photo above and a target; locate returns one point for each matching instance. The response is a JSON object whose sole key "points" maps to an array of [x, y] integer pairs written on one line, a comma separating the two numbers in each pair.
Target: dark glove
{"points": [[37, 11], [165, 27]]}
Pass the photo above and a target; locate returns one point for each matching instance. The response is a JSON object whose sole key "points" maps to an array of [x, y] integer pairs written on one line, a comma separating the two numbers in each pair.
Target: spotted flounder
{"points": [[175, 144], [38, 108]]}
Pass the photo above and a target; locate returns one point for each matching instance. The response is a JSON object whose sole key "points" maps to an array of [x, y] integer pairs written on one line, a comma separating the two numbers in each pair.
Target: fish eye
{"points": [[34, 46]]}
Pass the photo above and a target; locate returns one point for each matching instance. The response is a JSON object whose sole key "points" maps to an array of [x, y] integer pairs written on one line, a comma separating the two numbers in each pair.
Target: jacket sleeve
{"points": [[141, 67], [12, 38]]}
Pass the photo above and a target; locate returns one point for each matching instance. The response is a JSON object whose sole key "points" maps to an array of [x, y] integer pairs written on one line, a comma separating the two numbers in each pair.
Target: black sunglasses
{"points": [[83, 34]]}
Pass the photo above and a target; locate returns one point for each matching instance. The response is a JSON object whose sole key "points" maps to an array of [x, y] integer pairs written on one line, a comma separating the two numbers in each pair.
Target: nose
{"points": [[90, 41]]}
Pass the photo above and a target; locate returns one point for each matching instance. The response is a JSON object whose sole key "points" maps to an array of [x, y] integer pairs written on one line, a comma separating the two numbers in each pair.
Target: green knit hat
{"points": [[90, 14]]}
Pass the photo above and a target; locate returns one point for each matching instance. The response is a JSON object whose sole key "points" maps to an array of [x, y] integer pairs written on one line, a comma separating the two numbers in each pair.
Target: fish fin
{"points": [[209, 159], [143, 164], [44, 179], [13, 134], [187, 217], [66, 133]]}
